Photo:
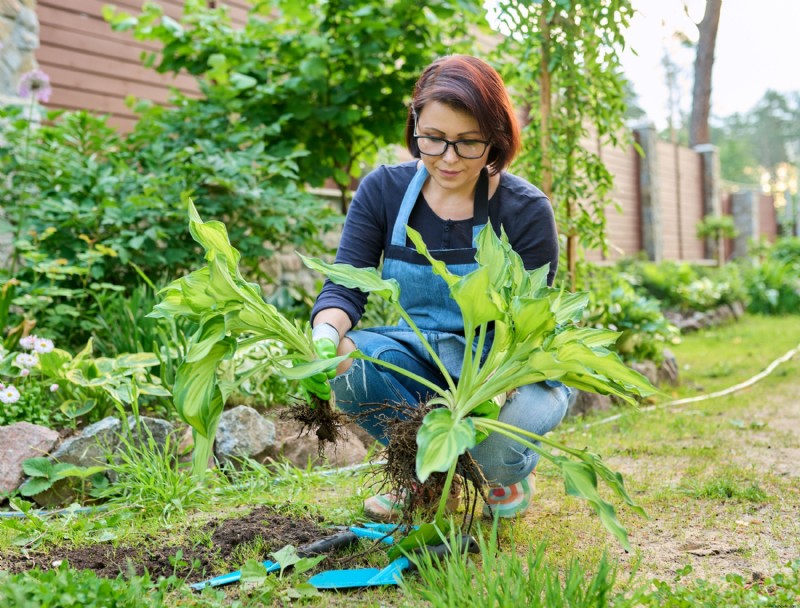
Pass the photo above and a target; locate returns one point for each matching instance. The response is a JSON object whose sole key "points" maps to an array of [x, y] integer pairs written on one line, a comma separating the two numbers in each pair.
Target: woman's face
{"points": [[450, 171]]}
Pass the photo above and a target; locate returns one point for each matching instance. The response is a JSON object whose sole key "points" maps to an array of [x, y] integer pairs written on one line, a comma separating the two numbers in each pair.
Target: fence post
{"points": [[712, 204], [744, 209], [650, 198]]}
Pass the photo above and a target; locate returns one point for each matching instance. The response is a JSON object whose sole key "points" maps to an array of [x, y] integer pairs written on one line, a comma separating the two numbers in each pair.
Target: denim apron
{"points": [[424, 295]]}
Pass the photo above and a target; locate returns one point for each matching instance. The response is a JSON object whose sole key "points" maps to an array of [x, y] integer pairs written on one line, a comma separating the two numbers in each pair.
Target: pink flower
{"points": [[27, 342], [53, 388], [9, 394], [24, 372], [35, 84]]}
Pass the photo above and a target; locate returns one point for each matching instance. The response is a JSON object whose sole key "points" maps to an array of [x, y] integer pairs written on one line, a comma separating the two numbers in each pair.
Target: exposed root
{"points": [[321, 418], [399, 472]]}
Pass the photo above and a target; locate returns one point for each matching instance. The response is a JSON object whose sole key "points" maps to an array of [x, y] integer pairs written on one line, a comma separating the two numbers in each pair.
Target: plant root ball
{"points": [[321, 418]]}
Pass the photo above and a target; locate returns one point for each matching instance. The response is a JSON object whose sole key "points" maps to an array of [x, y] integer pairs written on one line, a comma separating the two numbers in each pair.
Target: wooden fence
{"points": [[95, 68]]}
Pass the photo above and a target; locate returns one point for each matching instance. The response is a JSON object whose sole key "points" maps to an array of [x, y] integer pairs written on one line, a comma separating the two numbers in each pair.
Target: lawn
{"points": [[717, 478]]}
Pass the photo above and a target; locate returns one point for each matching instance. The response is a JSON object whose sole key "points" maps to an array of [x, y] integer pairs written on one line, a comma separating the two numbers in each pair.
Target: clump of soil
{"points": [[195, 562], [401, 461], [319, 417]]}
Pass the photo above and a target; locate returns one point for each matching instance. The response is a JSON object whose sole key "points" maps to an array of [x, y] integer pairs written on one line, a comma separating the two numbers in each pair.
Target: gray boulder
{"points": [[243, 433]]}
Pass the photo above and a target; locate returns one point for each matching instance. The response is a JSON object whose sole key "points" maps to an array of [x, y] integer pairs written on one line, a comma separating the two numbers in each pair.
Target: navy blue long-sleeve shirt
{"points": [[520, 208]]}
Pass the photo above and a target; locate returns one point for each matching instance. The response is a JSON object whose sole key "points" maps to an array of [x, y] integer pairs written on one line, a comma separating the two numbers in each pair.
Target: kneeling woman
{"points": [[462, 128]]}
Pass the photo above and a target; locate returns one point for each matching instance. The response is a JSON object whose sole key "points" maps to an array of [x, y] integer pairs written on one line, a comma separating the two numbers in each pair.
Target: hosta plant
{"points": [[536, 337], [228, 313]]}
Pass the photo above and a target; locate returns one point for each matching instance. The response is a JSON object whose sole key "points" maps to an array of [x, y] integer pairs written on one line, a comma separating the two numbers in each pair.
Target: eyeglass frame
{"points": [[448, 143]]}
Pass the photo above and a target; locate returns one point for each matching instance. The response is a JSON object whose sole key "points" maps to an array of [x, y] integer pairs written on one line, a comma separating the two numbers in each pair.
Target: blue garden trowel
{"points": [[390, 575]]}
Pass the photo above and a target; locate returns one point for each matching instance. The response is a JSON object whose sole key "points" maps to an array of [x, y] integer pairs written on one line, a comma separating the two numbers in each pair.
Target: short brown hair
{"points": [[470, 85]]}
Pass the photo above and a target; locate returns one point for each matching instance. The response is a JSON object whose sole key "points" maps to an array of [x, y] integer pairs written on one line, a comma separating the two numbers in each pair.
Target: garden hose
{"points": [[747, 383]]}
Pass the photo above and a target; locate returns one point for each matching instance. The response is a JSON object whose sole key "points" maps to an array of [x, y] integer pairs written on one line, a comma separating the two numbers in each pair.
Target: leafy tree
{"points": [[327, 77], [566, 73]]}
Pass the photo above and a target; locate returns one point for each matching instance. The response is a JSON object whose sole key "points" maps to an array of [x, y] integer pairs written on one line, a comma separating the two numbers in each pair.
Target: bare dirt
{"points": [[195, 561]]}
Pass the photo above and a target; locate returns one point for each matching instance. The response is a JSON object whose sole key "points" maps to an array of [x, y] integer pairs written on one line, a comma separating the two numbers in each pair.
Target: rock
{"points": [[738, 309], [243, 433], [302, 449], [668, 371], [648, 369], [585, 402], [86, 450], [19, 442], [160, 430]]}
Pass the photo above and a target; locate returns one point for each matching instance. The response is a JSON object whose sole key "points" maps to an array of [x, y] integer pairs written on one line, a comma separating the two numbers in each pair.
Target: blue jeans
{"points": [[537, 408]]}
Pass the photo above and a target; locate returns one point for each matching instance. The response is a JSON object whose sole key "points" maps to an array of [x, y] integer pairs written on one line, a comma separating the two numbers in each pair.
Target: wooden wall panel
{"points": [[668, 199], [94, 68], [690, 164]]}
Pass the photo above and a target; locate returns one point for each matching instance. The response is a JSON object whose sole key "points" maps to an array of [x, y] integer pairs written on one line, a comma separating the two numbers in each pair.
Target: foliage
{"points": [[326, 79], [536, 338], [42, 474], [717, 227], [773, 287], [86, 203], [568, 80], [68, 588], [505, 579], [615, 305], [224, 307]]}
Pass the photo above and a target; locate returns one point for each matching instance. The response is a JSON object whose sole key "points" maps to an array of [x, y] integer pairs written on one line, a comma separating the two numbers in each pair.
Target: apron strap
{"points": [[480, 214]]}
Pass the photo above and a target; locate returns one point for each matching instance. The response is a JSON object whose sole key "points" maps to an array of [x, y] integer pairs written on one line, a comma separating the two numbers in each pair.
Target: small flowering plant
{"points": [[25, 394]]}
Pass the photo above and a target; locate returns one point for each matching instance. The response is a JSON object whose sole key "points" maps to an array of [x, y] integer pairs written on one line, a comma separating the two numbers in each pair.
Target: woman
{"points": [[462, 128]]}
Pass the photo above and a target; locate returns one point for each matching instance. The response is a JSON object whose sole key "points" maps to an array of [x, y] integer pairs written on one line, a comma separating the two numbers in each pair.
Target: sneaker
{"points": [[510, 501], [388, 508]]}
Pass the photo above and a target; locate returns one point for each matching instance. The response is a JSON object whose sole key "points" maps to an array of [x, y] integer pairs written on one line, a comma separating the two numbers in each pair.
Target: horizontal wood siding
{"points": [[92, 67]]}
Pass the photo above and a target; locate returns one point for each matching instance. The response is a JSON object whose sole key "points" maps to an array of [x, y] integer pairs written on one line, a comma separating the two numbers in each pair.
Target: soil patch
{"points": [[275, 530]]}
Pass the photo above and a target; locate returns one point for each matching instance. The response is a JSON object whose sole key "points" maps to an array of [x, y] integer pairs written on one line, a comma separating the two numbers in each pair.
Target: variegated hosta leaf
{"points": [[366, 279], [438, 266], [440, 440]]}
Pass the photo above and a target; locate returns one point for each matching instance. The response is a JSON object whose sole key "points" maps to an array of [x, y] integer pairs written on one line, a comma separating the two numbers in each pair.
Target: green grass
{"points": [[716, 478]]}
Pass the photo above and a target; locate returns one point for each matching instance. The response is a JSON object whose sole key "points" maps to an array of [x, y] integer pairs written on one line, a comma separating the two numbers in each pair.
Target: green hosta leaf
{"points": [[427, 534], [533, 319], [209, 334], [493, 256], [74, 408], [37, 467], [438, 266], [589, 336], [366, 279], [569, 306], [473, 294], [580, 480], [64, 470], [214, 238], [440, 440], [53, 364], [147, 388], [195, 391], [609, 365], [537, 280], [306, 370], [487, 409]]}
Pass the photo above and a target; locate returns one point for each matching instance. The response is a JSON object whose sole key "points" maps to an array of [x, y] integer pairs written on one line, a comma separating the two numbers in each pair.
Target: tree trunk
{"points": [[699, 131], [545, 103]]}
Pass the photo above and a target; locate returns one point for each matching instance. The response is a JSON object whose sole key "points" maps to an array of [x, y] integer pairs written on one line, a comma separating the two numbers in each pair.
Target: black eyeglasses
{"points": [[436, 146]]}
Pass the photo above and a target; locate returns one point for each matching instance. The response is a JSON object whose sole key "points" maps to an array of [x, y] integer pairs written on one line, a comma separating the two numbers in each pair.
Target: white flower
{"points": [[24, 372], [9, 394], [42, 345], [28, 342], [53, 388], [26, 360]]}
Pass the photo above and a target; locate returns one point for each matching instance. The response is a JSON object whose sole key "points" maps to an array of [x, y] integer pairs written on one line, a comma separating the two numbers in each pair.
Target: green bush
{"points": [[614, 304]]}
